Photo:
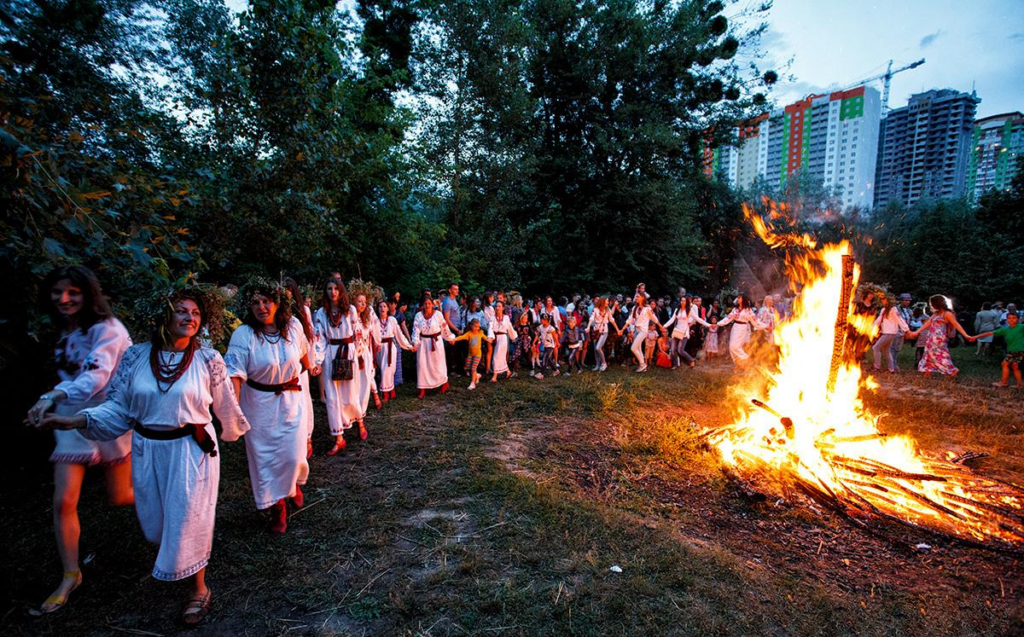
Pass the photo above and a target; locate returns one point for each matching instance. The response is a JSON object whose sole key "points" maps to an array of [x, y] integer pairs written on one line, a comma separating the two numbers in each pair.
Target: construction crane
{"points": [[887, 78]]}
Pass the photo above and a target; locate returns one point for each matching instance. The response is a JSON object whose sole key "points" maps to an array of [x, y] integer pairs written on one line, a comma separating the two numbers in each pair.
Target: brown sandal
{"points": [[196, 610]]}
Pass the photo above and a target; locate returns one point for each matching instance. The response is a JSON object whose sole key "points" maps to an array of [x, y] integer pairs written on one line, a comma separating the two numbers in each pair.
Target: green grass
{"points": [[501, 511]]}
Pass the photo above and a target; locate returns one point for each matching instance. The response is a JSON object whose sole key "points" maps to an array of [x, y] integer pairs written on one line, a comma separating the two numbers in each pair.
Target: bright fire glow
{"points": [[833, 449]]}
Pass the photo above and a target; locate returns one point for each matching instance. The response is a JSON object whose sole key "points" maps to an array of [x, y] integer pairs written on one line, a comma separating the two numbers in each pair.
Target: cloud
{"points": [[1018, 36], [930, 39]]}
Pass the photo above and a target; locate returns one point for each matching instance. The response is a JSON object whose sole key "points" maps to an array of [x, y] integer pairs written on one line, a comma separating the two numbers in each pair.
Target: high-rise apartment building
{"points": [[996, 144], [924, 147], [831, 137]]}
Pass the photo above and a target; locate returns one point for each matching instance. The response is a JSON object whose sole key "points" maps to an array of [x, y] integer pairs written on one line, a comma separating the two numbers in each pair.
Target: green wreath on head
{"points": [[154, 311], [257, 286]]}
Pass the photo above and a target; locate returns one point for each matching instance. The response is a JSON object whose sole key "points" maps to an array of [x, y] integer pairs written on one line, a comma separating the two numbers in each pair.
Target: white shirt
{"points": [[891, 322]]}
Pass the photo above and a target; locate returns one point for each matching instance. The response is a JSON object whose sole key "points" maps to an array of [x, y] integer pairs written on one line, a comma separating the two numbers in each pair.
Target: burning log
{"points": [[842, 319]]}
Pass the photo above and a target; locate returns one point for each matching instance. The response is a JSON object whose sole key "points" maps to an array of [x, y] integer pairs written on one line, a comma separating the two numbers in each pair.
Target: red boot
{"points": [[278, 517], [298, 499], [422, 393], [362, 430], [393, 394], [444, 388]]}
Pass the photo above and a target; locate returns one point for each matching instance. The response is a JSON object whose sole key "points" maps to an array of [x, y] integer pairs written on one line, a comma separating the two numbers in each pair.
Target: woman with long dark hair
{"points": [[682, 321], [335, 323], [91, 344], [601, 320], [265, 359], [641, 319], [744, 322], [937, 329], [500, 335], [428, 328], [165, 390]]}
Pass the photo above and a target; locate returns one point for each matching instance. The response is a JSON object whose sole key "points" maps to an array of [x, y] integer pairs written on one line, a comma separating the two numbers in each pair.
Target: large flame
{"points": [[813, 432]]}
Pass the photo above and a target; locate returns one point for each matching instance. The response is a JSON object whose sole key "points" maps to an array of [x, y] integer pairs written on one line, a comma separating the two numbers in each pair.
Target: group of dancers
{"points": [[154, 413]]}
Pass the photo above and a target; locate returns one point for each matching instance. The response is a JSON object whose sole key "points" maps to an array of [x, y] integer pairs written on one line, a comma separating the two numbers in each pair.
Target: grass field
{"points": [[503, 511]]}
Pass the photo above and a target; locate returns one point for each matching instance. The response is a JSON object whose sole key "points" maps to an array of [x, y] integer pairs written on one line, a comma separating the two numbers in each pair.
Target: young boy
{"points": [[547, 337], [474, 338], [1014, 335]]}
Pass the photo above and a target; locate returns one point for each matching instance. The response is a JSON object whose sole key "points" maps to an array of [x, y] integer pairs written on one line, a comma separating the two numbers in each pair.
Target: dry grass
{"points": [[501, 511]]}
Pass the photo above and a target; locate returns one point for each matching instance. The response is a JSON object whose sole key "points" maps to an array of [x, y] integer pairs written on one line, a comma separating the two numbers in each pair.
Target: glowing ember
{"points": [[813, 433]]}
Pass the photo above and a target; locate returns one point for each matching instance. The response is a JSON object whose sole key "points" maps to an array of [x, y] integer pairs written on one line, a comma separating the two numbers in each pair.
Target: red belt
{"points": [[388, 340], [433, 339]]}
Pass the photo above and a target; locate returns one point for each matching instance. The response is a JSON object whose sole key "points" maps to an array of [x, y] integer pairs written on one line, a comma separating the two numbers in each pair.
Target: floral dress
{"points": [[936, 348]]}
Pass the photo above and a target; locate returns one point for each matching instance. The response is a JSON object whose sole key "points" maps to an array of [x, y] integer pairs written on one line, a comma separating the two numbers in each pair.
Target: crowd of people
{"points": [[154, 413]]}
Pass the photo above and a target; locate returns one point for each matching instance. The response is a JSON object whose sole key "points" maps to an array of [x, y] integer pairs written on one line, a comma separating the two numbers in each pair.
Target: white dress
{"points": [[85, 364], [743, 323], [346, 399], [175, 482], [307, 384], [276, 444], [769, 319], [503, 333], [391, 339], [431, 367]]}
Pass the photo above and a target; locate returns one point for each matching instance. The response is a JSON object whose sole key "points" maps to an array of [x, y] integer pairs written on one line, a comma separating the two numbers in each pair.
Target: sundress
{"points": [[936, 349]]}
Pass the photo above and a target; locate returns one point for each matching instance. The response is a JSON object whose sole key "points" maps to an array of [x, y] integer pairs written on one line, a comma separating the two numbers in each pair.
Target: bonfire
{"points": [[808, 432]]}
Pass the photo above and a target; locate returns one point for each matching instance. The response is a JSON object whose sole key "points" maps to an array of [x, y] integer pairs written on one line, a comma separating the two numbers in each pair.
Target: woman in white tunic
{"points": [[90, 347], [428, 329], [681, 322], [366, 338], [265, 360], [166, 389], [600, 320], [301, 311], [500, 334], [391, 339], [641, 318], [341, 335], [744, 322]]}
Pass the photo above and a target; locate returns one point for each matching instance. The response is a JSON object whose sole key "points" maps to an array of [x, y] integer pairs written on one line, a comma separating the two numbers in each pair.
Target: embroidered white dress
{"points": [[346, 399], [391, 340], [744, 321], [175, 482], [431, 365], [276, 443], [503, 334], [85, 364]]}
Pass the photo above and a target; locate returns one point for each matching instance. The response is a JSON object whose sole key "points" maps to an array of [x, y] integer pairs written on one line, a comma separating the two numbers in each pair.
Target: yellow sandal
{"points": [[56, 602]]}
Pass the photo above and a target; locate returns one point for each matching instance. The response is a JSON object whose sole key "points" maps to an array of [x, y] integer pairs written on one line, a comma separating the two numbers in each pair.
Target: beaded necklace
{"points": [[167, 373]]}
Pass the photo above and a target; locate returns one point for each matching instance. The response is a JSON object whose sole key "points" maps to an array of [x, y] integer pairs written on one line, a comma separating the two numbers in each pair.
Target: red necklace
{"points": [[167, 373]]}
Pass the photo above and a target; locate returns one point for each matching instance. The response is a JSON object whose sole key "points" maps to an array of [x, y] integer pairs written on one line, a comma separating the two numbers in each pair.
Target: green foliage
{"points": [[948, 247], [569, 132], [536, 144]]}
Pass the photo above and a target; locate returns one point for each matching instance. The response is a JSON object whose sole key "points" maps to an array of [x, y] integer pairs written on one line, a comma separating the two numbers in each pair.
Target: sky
{"points": [[836, 43]]}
